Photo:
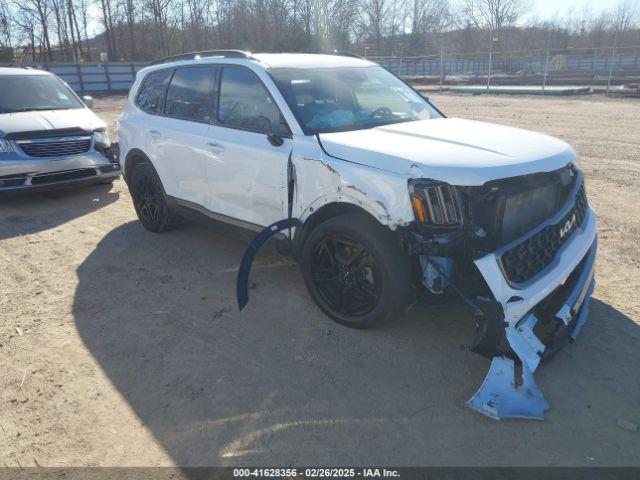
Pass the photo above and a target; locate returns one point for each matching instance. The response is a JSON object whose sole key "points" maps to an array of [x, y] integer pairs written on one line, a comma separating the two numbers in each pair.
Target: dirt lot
{"points": [[121, 347]]}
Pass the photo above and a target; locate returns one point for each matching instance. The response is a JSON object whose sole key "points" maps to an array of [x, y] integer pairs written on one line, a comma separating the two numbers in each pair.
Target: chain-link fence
{"points": [[614, 70], [610, 69]]}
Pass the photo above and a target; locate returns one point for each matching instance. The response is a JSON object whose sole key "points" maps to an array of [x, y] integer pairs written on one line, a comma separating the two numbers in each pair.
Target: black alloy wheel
{"points": [[355, 270], [146, 200], [149, 201], [345, 275]]}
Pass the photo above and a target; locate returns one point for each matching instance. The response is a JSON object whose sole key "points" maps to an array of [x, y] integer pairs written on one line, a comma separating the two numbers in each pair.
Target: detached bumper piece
{"points": [[499, 397], [531, 340]]}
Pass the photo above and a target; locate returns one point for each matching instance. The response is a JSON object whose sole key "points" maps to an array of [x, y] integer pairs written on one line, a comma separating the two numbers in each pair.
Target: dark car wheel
{"points": [[149, 201], [355, 271]]}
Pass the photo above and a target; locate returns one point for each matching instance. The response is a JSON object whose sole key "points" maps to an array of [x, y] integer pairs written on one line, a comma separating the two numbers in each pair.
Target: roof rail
{"points": [[203, 54], [344, 53]]}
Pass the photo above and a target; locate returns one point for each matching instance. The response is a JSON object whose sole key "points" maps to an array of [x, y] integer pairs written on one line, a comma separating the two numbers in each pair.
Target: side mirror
{"points": [[275, 139], [88, 101]]}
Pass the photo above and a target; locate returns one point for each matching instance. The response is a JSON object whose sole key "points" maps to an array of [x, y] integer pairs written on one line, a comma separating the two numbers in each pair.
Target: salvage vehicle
{"points": [[380, 197], [49, 137]]}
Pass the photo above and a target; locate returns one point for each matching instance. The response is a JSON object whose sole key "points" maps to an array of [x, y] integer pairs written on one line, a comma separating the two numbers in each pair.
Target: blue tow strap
{"points": [[242, 285]]}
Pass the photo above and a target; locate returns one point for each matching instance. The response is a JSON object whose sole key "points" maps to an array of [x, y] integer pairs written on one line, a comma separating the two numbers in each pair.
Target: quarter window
{"points": [[246, 104], [189, 94], [151, 96]]}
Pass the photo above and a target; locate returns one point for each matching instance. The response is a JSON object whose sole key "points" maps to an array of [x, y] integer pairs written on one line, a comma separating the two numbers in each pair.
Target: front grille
{"points": [[62, 176], [55, 147], [530, 257]]}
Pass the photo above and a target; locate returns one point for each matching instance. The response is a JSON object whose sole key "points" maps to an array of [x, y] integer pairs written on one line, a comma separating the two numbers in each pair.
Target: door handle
{"points": [[154, 133], [216, 147]]}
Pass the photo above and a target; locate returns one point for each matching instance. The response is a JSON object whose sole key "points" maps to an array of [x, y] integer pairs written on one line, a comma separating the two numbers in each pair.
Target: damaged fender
{"points": [[321, 179]]}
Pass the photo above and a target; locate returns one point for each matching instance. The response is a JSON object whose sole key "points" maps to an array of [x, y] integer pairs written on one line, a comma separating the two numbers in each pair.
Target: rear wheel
{"points": [[355, 271], [149, 201]]}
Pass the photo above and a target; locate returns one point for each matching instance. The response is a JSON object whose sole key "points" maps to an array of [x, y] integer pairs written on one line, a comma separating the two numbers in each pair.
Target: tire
{"points": [[149, 201], [355, 271]]}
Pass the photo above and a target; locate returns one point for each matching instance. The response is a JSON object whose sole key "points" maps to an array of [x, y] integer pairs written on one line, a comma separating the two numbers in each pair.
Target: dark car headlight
{"points": [[101, 137], [435, 203]]}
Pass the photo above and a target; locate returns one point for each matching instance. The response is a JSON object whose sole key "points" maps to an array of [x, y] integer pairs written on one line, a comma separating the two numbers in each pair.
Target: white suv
{"points": [[380, 197]]}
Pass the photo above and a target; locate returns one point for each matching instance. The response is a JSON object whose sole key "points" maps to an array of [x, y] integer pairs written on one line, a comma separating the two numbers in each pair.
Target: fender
{"points": [[376, 209], [132, 153]]}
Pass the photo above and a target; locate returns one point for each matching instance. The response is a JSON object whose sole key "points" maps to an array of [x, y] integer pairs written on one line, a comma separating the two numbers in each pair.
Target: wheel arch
{"points": [[325, 212], [134, 157]]}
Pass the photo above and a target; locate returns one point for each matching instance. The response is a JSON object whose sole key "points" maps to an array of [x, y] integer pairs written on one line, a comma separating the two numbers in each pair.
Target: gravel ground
{"points": [[121, 347]]}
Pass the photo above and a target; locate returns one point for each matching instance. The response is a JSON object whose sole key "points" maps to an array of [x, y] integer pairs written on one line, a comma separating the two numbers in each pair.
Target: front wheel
{"points": [[148, 199], [355, 271]]}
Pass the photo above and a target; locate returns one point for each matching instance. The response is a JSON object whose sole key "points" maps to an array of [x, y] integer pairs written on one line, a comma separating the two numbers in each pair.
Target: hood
{"points": [[452, 150], [49, 120]]}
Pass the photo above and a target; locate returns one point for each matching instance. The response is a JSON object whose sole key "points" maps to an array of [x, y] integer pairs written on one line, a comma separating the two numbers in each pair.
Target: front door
{"points": [[247, 172]]}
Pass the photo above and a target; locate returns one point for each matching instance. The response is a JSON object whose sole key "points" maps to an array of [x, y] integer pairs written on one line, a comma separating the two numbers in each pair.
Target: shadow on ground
{"points": [[53, 208], [281, 384]]}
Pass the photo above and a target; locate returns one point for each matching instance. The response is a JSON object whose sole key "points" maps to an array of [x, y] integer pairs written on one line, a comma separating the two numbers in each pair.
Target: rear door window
{"points": [[152, 94], [246, 104], [190, 95]]}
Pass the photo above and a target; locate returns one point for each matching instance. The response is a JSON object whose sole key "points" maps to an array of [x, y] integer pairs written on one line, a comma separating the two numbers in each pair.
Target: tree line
{"points": [[58, 30]]}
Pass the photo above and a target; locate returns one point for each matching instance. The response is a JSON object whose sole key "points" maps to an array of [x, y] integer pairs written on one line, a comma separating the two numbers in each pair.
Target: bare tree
{"points": [[36, 15], [5, 25], [624, 15], [430, 16], [107, 22], [494, 15], [375, 15]]}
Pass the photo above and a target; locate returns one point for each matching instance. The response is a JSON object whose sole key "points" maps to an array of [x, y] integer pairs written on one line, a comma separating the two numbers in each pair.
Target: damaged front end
{"points": [[521, 253]]}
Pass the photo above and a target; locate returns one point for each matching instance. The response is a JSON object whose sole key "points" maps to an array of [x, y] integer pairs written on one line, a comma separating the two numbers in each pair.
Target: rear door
{"points": [[180, 135], [247, 172]]}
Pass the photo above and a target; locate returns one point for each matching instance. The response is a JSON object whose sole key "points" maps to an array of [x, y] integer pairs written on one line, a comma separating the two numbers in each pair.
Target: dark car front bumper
{"points": [[24, 174]]}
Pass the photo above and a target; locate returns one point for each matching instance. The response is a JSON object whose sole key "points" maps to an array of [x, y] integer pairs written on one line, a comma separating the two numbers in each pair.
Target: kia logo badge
{"points": [[568, 225]]}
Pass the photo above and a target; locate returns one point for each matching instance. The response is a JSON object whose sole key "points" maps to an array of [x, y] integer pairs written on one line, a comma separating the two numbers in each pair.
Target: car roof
{"points": [[309, 60], [268, 60], [22, 71]]}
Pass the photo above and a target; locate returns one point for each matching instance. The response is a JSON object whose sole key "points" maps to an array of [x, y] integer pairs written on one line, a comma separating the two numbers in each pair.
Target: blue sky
{"points": [[546, 9]]}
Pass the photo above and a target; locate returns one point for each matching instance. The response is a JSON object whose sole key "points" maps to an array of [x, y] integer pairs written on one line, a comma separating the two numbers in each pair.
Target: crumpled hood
{"points": [[49, 120], [453, 150]]}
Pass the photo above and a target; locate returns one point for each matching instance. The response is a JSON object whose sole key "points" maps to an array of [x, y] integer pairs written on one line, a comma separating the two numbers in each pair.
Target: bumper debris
{"points": [[499, 397]]}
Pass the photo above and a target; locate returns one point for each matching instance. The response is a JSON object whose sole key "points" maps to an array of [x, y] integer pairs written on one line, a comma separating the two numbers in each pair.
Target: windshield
{"points": [[25, 93], [339, 99]]}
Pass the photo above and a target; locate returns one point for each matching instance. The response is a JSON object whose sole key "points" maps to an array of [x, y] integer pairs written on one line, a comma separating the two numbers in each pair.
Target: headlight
{"points": [[5, 147], [101, 137], [435, 203]]}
